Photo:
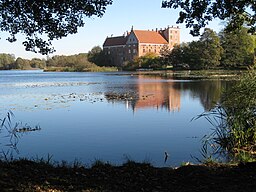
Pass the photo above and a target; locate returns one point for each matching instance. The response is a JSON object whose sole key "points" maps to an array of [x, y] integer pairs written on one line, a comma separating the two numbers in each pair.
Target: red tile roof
{"points": [[114, 41], [149, 37]]}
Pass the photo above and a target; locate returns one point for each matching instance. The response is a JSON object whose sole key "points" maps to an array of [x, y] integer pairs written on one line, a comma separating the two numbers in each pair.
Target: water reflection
{"points": [[156, 92], [208, 91]]}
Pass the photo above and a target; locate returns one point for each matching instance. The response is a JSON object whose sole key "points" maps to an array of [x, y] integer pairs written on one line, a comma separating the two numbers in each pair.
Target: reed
{"points": [[234, 120]]}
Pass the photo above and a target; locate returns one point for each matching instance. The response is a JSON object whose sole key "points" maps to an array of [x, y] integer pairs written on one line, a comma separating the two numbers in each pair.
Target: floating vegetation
{"points": [[12, 133], [129, 96], [31, 102], [28, 129], [52, 84]]}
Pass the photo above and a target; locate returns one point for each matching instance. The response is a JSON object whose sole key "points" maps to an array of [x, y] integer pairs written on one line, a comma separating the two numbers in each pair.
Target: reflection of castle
{"points": [[153, 92]]}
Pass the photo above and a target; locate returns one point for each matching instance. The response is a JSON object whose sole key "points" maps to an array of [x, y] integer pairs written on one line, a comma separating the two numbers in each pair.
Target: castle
{"points": [[137, 43]]}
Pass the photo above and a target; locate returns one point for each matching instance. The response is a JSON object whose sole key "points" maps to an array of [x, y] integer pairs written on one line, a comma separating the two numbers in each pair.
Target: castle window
{"points": [[134, 50], [144, 50], [129, 51]]}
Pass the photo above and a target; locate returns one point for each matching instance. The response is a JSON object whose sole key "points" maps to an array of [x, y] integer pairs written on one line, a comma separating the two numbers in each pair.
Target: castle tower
{"points": [[172, 35]]}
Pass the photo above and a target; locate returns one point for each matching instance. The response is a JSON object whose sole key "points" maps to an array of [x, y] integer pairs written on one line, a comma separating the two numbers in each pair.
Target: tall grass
{"points": [[234, 119]]}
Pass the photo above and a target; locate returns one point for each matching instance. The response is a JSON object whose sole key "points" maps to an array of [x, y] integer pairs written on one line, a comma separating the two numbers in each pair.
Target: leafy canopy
{"points": [[238, 48], [197, 13], [52, 19]]}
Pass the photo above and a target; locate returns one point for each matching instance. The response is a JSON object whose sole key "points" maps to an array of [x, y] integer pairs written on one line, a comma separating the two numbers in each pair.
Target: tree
{"points": [[178, 55], [97, 56], [202, 54], [21, 64], [77, 62], [149, 60], [238, 48], [38, 63], [164, 54], [197, 13], [6, 60], [193, 55], [210, 49], [52, 19]]}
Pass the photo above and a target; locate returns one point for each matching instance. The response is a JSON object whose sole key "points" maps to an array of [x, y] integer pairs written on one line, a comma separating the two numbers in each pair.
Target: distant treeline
{"points": [[77, 62], [8, 61]]}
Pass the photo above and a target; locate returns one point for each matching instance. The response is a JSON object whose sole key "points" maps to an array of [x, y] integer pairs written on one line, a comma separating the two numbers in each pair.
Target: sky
{"points": [[118, 18]]}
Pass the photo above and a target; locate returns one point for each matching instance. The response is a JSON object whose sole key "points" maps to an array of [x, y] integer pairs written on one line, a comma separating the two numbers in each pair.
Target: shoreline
{"points": [[27, 175]]}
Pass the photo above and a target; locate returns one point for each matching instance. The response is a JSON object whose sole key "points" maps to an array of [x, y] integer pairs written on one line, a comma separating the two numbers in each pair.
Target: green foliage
{"points": [[205, 53], [240, 106], [74, 63], [38, 20], [234, 49], [38, 63], [96, 55], [210, 49], [202, 54], [197, 14], [21, 64], [179, 55], [193, 55], [239, 48], [234, 118], [164, 54], [70, 63], [148, 61], [6, 61]]}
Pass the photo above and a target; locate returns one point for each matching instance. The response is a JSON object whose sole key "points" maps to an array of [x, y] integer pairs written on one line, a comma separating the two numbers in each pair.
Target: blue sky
{"points": [[119, 18]]}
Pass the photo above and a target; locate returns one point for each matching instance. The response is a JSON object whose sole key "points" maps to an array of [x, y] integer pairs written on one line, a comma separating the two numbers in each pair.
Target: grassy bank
{"points": [[204, 74], [71, 69], [25, 175], [194, 74]]}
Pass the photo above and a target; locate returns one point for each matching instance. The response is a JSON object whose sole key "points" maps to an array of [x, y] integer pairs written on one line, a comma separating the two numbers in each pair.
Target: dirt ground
{"points": [[25, 175]]}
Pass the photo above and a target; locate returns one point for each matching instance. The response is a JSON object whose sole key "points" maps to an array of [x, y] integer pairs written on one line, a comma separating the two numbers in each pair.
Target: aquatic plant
{"points": [[233, 120], [12, 132]]}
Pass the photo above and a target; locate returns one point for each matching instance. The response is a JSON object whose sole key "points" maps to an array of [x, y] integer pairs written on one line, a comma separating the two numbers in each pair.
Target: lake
{"points": [[106, 116]]}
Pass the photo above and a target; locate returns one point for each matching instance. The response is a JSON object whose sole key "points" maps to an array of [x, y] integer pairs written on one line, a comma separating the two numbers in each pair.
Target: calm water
{"points": [[107, 116]]}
